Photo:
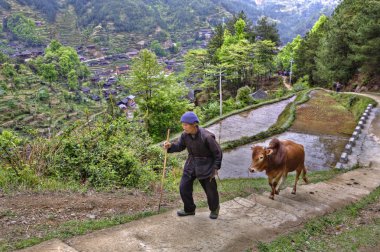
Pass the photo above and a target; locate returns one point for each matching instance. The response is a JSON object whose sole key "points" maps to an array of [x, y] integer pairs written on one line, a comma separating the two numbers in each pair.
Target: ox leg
{"points": [[271, 196], [304, 171], [298, 173], [281, 181]]}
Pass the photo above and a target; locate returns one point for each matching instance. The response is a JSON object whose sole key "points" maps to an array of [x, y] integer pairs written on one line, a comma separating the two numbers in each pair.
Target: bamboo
{"points": [[163, 172]]}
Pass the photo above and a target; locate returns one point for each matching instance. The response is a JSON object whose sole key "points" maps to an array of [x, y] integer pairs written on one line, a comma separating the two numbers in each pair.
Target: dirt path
{"points": [[286, 84], [242, 221]]}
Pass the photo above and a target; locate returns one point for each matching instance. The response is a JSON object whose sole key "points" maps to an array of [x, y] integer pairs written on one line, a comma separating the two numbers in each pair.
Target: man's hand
{"points": [[167, 145]]}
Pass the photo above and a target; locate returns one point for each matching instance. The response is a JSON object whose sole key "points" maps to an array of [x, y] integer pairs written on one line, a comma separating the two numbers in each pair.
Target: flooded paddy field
{"points": [[322, 125]]}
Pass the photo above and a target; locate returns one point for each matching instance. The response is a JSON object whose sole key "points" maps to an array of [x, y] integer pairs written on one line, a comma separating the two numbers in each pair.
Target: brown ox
{"points": [[280, 158]]}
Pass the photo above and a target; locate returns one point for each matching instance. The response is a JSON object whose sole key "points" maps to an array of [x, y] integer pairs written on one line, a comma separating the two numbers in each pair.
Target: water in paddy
{"points": [[322, 152], [322, 125], [249, 123]]}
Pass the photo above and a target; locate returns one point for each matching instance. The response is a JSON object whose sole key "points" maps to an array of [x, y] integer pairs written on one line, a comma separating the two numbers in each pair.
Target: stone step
{"points": [[266, 201], [52, 245], [303, 209], [306, 198], [330, 194]]}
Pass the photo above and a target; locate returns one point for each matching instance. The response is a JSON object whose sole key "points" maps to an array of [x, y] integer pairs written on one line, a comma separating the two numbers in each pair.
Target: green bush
{"points": [[117, 153], [43, 94], [301, 84], [280, 92], [354, 103], [243, 96]]}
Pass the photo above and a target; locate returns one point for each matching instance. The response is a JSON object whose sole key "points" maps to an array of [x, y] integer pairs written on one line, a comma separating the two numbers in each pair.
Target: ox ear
{"points": [[268, 152], [252, 147]]}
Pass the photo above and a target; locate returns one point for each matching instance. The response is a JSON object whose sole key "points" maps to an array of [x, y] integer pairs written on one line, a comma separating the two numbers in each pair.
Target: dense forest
{"points": [[340, 47]]}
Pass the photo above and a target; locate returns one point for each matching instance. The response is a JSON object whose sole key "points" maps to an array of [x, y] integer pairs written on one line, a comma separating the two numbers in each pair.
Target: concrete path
{"points": [[242, 221]]}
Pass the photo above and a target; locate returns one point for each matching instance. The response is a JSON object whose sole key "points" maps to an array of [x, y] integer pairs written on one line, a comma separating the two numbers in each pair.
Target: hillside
{"points": [[124, 24]]}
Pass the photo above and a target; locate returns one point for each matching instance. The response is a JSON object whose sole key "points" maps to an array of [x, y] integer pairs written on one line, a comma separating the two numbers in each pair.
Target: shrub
{"points": [[243, 96], [43, 94], [301, 84]]}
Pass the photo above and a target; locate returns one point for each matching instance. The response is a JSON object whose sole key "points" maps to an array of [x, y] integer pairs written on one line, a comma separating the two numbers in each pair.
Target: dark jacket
{"points": [[205, 154]]}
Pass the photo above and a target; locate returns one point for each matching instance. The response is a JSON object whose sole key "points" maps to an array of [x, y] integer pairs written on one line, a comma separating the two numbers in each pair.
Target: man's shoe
{"points": [[182, 213], [214, 214]]}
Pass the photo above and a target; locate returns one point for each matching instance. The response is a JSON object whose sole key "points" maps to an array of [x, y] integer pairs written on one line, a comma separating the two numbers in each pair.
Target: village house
{"points": [[95, 79], [205, 33], [122, 69], [86, 90], [133, 53], [38, 23], [91, 47]]}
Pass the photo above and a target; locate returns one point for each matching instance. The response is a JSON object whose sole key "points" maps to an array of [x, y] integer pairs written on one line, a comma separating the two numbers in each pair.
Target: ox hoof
{"points": [[271, 197], [277, 192], [293, 192]]}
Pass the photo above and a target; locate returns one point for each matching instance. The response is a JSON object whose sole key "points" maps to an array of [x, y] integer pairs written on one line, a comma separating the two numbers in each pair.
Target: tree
{"points": [[236, 56], [64, 60], [73, 80], [157, 48], [266, 30], [287, 53], [196, 65], [215, 43], [159, 97], [264, 52], [23, 28], [48, 72], [305, 51]]}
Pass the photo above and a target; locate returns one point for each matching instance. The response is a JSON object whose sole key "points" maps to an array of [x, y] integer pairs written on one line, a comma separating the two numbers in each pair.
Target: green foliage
{"points": [[43, 94], [157, 48], [266, 30], [159, 96], [110, 154], [287, 53], [23, 28], [8, 70], [48, 7], [73, 79], [301, 84], [61, 63], [48, 72], [196, 64], [243, 96], [264, 52], [354, 103], [8, 142], [337, 48]]}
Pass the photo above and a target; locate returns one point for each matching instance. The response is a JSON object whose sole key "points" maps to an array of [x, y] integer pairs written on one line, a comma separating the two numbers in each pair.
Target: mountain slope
{"points": [[179, 18]]}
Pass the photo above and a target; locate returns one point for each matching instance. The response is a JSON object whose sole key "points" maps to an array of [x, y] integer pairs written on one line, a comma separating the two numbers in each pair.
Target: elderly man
{"points": [[203, 162]]}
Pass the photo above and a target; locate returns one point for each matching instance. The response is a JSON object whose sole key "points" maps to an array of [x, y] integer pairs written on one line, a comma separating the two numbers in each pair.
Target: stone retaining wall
{"points": [[359, 130]]}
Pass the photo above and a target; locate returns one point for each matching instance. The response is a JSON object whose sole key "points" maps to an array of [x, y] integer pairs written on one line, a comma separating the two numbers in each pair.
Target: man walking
{"points": [[203, 162]]}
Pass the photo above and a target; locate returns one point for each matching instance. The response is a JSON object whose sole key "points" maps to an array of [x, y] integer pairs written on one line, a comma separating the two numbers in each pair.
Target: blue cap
{"points": [[189, 117]]}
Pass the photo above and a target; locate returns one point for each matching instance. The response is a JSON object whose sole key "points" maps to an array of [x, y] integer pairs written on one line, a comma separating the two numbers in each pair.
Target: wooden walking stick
{"points": [[163, 172]]}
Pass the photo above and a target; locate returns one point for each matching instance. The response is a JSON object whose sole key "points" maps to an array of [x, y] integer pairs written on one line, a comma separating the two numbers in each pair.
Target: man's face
{"points": [[189, 128]]}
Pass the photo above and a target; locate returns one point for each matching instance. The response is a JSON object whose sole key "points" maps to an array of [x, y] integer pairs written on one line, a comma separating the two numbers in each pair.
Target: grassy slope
{"points": [[338, 231]]}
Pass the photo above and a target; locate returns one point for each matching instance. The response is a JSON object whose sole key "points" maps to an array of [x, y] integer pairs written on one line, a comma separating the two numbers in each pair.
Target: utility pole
{"points": [[290, 75], [220, 92]]}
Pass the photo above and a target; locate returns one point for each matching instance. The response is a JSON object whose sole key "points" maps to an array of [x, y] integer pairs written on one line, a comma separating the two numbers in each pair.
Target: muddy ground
{"points": [[28, 214]]}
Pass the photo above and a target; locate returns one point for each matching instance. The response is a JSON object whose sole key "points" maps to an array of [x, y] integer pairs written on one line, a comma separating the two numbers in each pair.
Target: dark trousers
{"points": [[186, 191]]}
